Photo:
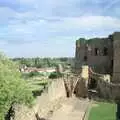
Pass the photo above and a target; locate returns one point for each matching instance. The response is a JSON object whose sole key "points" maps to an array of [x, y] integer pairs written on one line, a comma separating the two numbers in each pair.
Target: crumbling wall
{"points": [[116, 58], [100, 63], [22, 112], [44, 103], [79, 55], [81, 89], [56, 89], [108, 91], [82, 81], [85, 54]]}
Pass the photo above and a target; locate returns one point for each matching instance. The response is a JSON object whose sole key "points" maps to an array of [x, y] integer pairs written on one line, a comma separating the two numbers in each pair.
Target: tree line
{"points": [[43, 62]]}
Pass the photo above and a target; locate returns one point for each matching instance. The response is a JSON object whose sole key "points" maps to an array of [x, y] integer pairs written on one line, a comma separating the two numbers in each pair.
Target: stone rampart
{"points": [[108, 90], [44, 103]]}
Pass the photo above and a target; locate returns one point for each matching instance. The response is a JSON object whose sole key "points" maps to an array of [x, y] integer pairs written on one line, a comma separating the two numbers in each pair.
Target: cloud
{"points": [[111, 4], [33, 29], [89, 22], [67, 23], [61, 21]]}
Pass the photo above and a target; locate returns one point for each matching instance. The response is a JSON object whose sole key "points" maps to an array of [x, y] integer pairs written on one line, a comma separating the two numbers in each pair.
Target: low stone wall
{"points": [[108, 90], [81, 89], [22, 112], [56, 89], [76, 84], [44, 103]]}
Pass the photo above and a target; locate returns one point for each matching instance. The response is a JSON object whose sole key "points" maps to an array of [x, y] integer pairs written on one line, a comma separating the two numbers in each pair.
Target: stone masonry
{"points": [[100, 54]]}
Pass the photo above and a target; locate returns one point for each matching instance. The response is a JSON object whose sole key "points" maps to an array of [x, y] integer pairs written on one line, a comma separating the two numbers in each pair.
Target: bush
{"points": [[34, 73], [55, 75], [13, 89]]}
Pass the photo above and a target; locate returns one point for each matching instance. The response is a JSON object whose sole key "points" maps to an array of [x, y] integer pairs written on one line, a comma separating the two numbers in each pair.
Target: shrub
{"points": [[55, 75], [34, 73], [13, 89]]}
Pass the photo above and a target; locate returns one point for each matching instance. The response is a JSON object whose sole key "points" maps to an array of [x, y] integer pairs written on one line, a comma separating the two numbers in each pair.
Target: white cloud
{"points": [[53, 20], [111, 4], [85, 23], [42, 27]]}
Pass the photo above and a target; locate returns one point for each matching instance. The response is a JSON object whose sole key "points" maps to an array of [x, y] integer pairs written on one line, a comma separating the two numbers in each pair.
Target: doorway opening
{"points": [[92, 83]]}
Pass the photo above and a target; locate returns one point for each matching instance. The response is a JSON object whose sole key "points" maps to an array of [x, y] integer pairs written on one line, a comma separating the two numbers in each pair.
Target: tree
{"points": [[55, 75], [13, 89], [42, 62]]}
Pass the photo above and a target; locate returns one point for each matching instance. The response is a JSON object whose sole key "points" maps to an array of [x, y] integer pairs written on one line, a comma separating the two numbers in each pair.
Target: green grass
{"points": [[37, 82], [37, 85], [103, 111], [36, 88]]}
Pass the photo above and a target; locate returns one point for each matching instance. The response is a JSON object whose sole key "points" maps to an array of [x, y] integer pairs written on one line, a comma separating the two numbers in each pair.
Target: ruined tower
{"points": [[81, 54], [116, 57], [96, 53]]}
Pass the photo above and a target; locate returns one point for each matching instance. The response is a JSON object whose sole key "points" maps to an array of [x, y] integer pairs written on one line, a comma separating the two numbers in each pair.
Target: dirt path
{"points": [[72, 109]]}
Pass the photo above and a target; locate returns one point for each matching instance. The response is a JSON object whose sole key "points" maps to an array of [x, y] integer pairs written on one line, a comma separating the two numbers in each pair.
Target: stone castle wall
{"points": [[108, 91], [116, 58], [44, 103], [86, 50], [81, 89]]}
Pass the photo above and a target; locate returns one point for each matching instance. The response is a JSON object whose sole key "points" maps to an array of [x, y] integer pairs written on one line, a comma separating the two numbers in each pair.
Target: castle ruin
{"points": [[100, 54]]}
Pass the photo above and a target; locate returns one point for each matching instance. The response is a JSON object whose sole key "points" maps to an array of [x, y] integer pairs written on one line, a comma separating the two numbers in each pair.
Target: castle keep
{"points": [[100, 54]]}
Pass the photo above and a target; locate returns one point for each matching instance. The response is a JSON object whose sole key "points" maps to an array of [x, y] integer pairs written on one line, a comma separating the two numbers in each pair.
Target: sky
{"points": [[49, 28]]}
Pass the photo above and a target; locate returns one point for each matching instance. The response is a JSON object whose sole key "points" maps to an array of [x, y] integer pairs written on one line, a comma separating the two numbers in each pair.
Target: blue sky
{"points": [[30, 28]]}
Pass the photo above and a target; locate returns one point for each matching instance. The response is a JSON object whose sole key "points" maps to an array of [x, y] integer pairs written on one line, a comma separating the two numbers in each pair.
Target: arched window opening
{"points": [[85, 58], [105, 51], [96, 51]]}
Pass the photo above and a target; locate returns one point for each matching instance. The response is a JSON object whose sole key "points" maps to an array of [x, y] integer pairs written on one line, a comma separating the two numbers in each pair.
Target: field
{"points": [[103, 111], [37, 82], [37, 86]]}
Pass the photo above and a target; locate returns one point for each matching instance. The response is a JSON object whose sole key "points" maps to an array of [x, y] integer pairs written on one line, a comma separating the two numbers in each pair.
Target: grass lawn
{"points": [[103, 111], [37, 85]]}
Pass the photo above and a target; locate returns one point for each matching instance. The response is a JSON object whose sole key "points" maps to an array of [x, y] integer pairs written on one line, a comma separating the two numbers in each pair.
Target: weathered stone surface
{"points": [[108, 91], [81, 89], [85, 54], [100, 63], [72, 109], [44, 103], [85, 72], [116, 78], [116, 57]]}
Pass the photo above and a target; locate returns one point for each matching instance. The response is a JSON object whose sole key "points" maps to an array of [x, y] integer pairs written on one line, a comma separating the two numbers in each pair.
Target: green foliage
{"points": [[55, 75], [42, 62], [13, 89], [37, 86], [32, 74], [81, 41]]}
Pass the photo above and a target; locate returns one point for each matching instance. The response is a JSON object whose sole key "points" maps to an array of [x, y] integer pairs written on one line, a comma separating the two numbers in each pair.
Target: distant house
{"points": [[22, 68], [41, 70], [59, 68]]}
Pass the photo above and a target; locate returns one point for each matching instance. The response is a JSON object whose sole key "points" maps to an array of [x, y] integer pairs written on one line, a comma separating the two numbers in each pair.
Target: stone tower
{"points": [[116, 57], [80, 54], [97, 53]]}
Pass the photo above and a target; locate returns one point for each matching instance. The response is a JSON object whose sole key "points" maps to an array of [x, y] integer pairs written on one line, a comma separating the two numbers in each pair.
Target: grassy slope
{"points": [[104, 111], [37, 84]]}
